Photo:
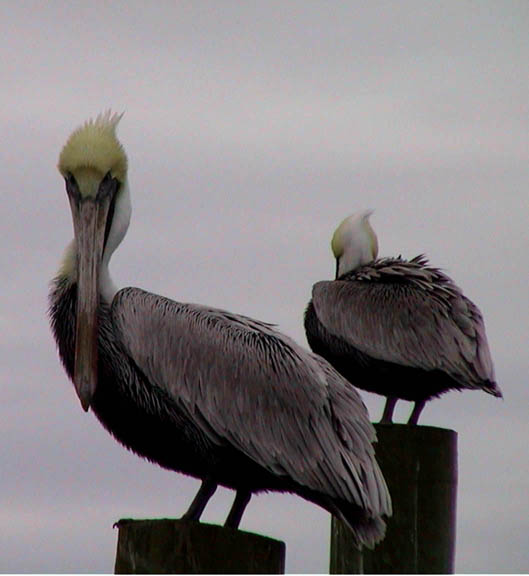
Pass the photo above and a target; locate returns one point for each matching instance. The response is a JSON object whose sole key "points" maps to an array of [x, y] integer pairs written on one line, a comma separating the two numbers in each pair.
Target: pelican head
{"points": [[94, 166], [354, 243]]}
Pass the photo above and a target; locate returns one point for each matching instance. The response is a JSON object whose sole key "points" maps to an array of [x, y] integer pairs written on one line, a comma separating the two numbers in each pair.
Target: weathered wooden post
{"points": [[420, 467], [168, 546]]}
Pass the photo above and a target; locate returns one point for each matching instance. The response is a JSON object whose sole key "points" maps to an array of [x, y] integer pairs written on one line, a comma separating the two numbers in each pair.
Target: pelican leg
{"points": [[417, 409], [387, 416], [205, 492], [239, 504]]}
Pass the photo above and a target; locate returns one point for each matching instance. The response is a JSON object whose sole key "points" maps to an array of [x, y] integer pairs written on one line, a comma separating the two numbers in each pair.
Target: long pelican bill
{"points": [[90, 218]]}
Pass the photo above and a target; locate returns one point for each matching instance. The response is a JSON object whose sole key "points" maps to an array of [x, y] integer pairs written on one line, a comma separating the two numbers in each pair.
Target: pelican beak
{"points": [[90, 213]]}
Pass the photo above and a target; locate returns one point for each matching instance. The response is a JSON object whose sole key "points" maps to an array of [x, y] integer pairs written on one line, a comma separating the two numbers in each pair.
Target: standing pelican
{"points": [[399, 328], [214, 395]]}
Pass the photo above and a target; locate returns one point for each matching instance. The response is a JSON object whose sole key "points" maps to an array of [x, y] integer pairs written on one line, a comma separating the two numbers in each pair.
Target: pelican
{"points": [[400, 328], [211, 394]]}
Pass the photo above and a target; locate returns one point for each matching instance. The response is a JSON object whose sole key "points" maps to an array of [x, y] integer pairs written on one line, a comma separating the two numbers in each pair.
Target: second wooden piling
{"points": [[419, 464]]}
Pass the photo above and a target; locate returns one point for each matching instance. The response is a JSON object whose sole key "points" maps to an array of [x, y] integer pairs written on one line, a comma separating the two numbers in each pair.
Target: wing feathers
{"points": [[399, 312], [247, 385]]}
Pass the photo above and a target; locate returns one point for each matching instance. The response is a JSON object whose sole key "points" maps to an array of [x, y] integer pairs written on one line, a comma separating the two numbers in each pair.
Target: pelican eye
{"points": [[108, 185], [72, 188], [69, 178]]}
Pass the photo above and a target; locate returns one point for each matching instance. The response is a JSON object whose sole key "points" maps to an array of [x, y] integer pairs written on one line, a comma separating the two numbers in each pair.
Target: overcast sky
{"points": [[252, 129]]}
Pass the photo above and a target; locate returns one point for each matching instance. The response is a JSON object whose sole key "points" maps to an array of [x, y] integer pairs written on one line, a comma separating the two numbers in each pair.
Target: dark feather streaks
{"points": [[402, 329]]}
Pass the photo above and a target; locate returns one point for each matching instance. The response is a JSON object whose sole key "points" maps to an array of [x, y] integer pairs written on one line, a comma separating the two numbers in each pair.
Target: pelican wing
{"points": [[246, 385], [409, 323]]}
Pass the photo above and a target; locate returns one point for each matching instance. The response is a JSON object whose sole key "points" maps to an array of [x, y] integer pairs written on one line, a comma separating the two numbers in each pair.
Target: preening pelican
{"points": [[399, 328], [211, 394]]}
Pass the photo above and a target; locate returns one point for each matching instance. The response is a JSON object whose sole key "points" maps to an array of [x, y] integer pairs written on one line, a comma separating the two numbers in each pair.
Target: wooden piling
{"points": [[419, 464], [168, 546]]}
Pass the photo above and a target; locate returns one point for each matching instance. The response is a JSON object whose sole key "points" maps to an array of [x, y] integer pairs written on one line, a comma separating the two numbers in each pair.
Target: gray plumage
{"points": [[229, 400], [402, 329], [214, 395], [246, 385]]}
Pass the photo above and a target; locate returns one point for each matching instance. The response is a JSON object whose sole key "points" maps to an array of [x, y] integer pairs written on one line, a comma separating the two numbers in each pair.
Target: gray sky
{"points": [[252, 129]]}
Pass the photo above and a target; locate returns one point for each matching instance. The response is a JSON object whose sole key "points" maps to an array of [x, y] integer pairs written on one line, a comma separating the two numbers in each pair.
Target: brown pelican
{"points": [[211, 394], [400, 328]]}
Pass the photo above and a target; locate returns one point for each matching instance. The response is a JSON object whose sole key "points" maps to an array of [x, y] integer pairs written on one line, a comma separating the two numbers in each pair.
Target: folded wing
{"points": [[408, 324], [249, 386]]}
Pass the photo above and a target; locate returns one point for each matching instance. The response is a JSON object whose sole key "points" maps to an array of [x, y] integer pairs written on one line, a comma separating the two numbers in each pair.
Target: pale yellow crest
{"points": [[354, 243], [94, 147], [337, 244]]}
